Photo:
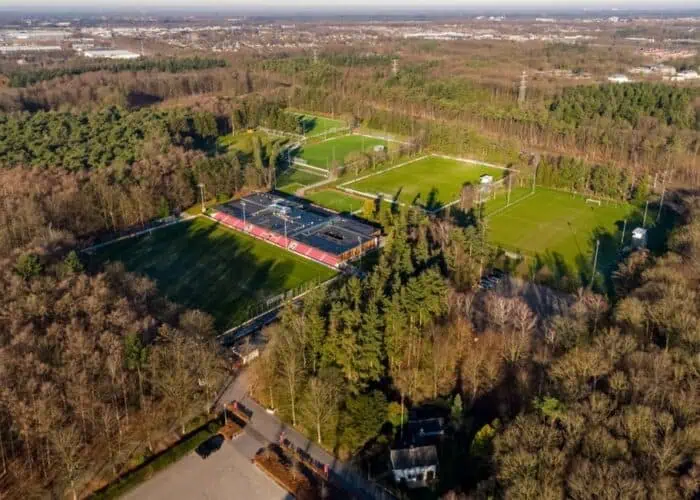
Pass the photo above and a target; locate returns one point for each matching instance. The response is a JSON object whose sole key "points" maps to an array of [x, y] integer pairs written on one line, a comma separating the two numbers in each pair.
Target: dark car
{"points": [[210, 446]]}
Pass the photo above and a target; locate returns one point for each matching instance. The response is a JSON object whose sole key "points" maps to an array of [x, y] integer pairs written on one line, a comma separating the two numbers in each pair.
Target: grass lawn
{"points": [[316, 125], [560, 230], [430, 182], [204, 265], [292, 179], [321, 154], [335, 200]]}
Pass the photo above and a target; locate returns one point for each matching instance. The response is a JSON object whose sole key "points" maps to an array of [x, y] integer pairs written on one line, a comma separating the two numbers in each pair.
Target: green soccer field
{"points": [[204, 265], [292, 179], [315, 125], [322, 154], [431, 181], [335, 200], [560, 229]]}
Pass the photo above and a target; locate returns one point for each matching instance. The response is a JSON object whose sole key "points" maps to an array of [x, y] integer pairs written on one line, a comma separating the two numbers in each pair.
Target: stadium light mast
{"points": [[646, 210], [201, 193], [595, 262], [243, 205]]}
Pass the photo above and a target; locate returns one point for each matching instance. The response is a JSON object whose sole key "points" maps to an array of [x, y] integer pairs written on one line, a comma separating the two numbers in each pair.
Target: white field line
{"points": [[475, 162], [326, 132], [511, 205], [382, 196], [383, 171], [302, 163], [138, 233], [382, 137]]}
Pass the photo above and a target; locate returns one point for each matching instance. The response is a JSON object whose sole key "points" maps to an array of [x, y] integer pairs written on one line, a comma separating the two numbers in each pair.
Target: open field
{"points": [[202, 264], [335, 200], [323, 153], [292, 179], [560, 229], [316, 125], [431, 181]]}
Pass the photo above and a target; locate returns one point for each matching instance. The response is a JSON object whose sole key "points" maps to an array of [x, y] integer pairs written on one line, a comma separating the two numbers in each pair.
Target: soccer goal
{"points": [[591, 201]]}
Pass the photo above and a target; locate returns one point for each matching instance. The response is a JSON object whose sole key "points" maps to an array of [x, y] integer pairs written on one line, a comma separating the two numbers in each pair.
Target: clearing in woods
{"points": [[205, 265]]}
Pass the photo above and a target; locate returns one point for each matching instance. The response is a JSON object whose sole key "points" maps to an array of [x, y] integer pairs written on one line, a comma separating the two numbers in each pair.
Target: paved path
{"points": [[269, 428]]}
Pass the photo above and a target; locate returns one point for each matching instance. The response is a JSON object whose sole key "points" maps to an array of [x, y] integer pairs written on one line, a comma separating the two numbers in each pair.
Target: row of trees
{"points": [[25, 77], [94, 369]]}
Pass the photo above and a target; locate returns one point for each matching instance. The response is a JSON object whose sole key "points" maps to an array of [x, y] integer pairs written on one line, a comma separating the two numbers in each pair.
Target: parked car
{"points": [[210, 446]]}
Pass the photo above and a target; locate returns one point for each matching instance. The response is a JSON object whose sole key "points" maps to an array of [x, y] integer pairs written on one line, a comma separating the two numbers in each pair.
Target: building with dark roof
{"points": [[414, 466], [307, 230]]}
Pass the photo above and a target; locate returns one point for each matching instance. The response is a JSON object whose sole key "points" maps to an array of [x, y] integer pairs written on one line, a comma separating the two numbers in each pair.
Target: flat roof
{"points": [[315, 227]]}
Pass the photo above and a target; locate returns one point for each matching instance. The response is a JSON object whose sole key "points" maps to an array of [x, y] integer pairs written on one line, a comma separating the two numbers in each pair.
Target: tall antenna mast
{"points": [[523, 88]]}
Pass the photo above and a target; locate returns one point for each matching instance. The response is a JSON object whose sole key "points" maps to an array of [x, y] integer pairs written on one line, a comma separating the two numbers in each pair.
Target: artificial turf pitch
{"points": [[202, 264], [431, 181], [559, 227], [323, 153]]}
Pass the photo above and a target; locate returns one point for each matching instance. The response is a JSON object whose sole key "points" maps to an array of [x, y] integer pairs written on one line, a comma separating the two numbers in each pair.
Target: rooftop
{"points": [[408, 458], [301, 222]]}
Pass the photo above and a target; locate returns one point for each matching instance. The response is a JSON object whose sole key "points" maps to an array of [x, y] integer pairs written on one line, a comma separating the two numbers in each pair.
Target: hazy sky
{"points": [[365, 5]]}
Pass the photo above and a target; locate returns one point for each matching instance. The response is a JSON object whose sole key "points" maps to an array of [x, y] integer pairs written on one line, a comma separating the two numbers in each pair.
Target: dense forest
{"points": [[24, 78], [628, 104]]}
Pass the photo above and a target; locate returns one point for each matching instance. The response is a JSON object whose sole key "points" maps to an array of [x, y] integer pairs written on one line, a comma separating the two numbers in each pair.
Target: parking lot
{"points": [[225, 474]]}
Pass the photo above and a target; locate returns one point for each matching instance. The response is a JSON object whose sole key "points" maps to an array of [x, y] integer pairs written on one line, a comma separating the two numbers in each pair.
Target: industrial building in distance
{"points": [[306, 230]]}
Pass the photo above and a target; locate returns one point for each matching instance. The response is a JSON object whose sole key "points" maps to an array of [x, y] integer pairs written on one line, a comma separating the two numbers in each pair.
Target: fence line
{"points": [[475, 162], [166, 223], [305, 164], [389, 138], [382, 171]]}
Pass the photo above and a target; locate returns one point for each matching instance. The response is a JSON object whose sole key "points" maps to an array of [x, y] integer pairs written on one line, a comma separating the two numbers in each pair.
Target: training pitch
{"points": [[323, 154], [335, 200], [431, 181], [559, 228], [314, 125], [202, 264]]}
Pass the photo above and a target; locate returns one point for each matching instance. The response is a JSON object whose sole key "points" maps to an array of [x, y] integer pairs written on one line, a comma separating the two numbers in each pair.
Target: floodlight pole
{"points": [[595, 261], [286, 241], [243, 205], [359, 242], [201, 192], [534, 180], [646, 210], [624, 229], [661, 203], [510, 179]]}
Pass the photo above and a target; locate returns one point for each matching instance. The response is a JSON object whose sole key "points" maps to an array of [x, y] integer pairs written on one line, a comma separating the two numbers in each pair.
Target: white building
{"points": [[639, 237], [111, 54], [619, 78], [415, 466]]}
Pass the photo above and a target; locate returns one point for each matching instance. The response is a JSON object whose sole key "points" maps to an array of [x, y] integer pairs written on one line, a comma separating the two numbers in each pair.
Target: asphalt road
{"points": [[225, 475]]}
